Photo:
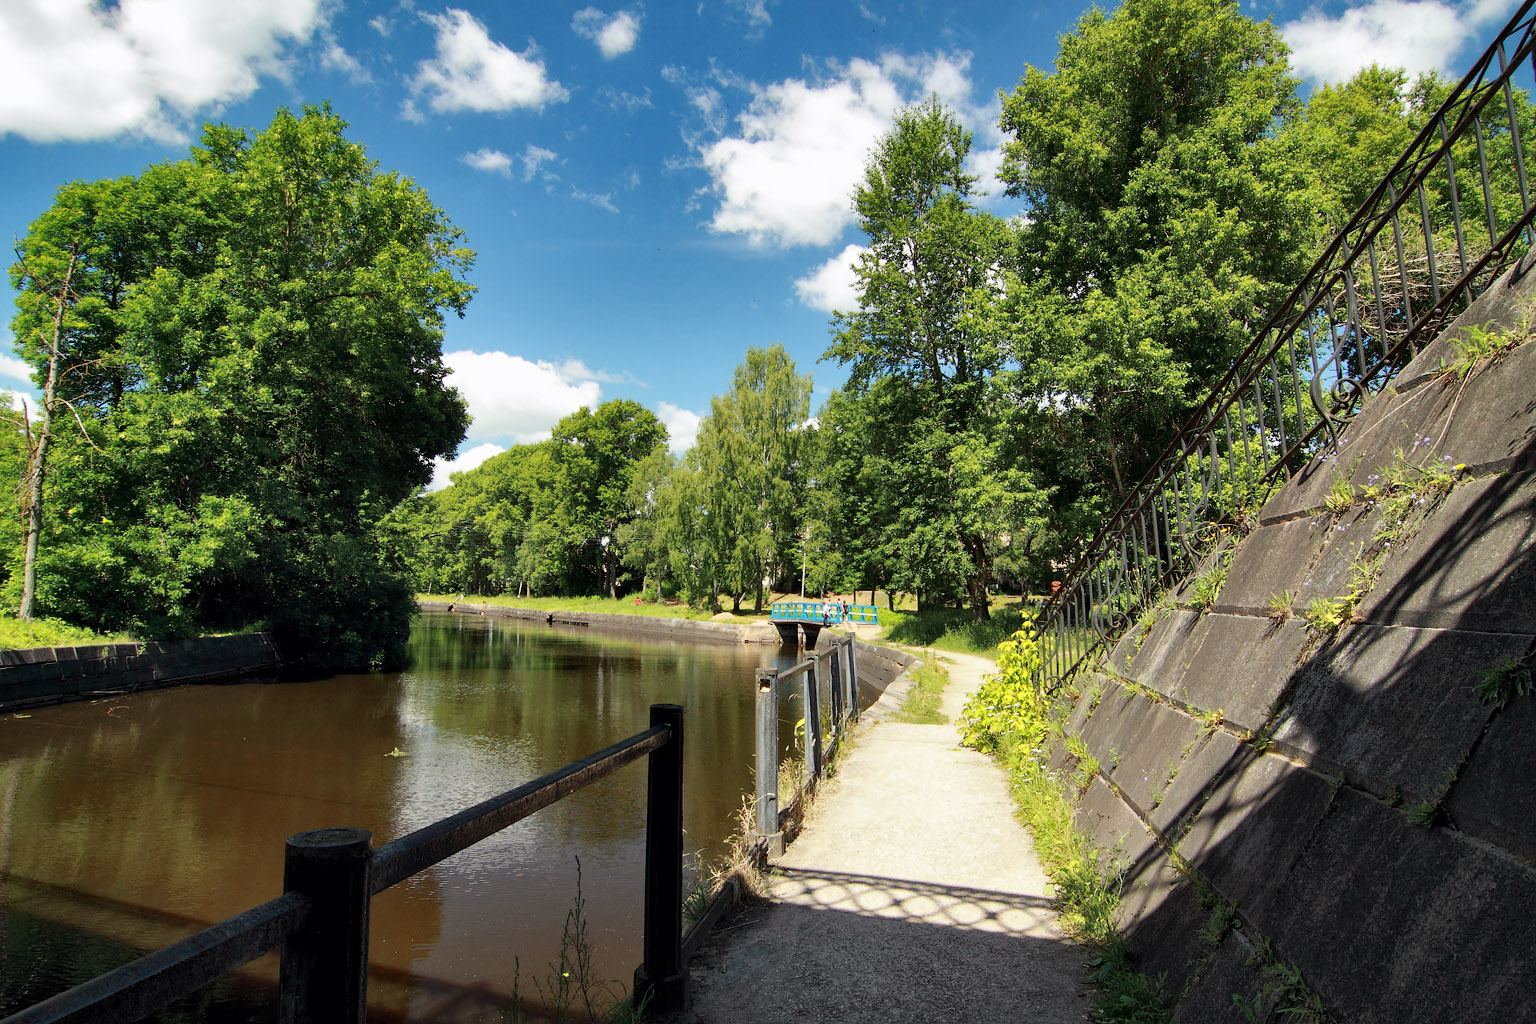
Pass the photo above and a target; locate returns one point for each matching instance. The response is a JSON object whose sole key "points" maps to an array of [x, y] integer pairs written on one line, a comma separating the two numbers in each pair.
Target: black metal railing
{"points": [[1451, 216], [330, 876], [829, 696]]}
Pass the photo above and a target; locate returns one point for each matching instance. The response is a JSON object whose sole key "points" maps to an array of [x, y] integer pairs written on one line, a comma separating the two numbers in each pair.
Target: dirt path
{"points": [[912, 895]]}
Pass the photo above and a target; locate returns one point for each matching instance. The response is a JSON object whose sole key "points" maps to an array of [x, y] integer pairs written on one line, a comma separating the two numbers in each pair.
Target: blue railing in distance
{"points": [[823, 612]]}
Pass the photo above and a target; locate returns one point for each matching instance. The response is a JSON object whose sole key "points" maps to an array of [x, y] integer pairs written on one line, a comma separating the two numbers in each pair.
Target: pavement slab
{"points": [[912, 894]]}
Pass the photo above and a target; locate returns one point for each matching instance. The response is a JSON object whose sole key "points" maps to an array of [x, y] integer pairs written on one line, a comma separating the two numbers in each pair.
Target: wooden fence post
{"points": [[323, 978], [851, 649], [661, 981], [811, 705], [768, 760]]}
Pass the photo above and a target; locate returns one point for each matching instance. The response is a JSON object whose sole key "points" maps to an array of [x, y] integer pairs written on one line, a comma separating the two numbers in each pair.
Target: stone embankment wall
{"points": [[51, 675], [1314, 817]]}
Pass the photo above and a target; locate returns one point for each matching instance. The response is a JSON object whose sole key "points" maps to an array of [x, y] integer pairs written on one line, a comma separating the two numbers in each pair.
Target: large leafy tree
{"points": [[924, 351], [1165, 214], [252, 366], [595, 454], [749, 454]]}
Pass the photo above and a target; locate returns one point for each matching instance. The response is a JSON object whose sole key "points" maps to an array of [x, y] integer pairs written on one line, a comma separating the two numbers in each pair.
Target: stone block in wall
{"points": [[1253, 827], [1390, 922], [1471, 566], [1151, 739], [1170, 646], [1494, 797], [1346, 539], [1113, 827], [1242, 667], [1488, 421], [1502, 306], [1231, 969], [1392, 708], [1214, 755], [1270, 560], [1303, 493], [1161, 916]]}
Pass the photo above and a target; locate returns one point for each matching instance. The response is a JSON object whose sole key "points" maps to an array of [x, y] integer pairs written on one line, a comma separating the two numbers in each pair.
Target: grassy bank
{"points": [[622, 606], [16, 634], [954, 629]]}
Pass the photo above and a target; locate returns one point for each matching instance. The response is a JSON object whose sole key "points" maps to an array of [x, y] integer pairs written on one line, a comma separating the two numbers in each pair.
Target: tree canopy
{"points": [[250, 377]]}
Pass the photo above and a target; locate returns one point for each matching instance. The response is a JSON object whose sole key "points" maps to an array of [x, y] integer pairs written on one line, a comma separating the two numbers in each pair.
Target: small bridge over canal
{"points": [[791, 618]]}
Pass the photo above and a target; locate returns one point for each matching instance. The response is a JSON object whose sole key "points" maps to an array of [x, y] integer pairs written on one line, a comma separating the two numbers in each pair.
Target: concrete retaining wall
{"points": [[51, 675], [1348, 801]]}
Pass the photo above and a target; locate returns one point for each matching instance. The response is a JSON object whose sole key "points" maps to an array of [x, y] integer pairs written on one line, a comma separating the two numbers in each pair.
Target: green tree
{"points": [[254, 365], [595, 454], [1165, 215], [749, 451], [924, 351]]}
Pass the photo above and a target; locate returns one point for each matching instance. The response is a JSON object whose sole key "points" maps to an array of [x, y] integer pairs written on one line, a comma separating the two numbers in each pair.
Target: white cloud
{"points": [[474, 72], [533, 159], [491, 161], [443, 469], [382, 25], [832, 286], [1417, 35], [509, 396], [756, 12], [602, 200], [682, 426], [81, 69], [334, 58], [625, 102], [786, 177], [614, 34], [10, 366]]}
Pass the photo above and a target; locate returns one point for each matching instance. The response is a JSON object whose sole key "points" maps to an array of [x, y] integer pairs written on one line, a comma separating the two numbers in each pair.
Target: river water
{"points": [[131, 822]]}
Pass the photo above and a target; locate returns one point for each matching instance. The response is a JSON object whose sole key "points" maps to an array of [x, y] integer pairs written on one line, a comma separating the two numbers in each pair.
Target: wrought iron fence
{"points": [[1450, 217]]}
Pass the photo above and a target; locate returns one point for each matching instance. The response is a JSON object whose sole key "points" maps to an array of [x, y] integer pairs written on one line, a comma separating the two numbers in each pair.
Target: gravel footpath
{"points": [[912, 895]]}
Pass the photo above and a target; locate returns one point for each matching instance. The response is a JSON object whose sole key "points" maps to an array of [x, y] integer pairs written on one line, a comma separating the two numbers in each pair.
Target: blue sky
{"points": [[652, 188]]}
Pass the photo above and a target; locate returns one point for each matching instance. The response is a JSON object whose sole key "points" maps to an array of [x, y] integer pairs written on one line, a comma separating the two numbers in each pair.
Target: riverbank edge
{"points": [[878, 665], [39, 676]]}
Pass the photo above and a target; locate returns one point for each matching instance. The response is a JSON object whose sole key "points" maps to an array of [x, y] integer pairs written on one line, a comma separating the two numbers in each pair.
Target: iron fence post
{"points": [[323, 978], [661, 981], [768, 761]]}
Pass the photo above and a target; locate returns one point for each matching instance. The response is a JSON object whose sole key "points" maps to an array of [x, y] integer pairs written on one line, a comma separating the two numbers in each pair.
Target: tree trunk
{"points": [[37, 458]]}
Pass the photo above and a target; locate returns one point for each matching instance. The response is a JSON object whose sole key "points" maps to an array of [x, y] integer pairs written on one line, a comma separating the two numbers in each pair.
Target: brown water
{"points": [[128, 823]]}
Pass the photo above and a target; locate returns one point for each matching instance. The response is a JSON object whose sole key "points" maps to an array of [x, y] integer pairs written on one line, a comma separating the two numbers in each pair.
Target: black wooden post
{"points": [[852, 675], [768, 760], [324, 973], [661, 981], [811, 705], [835, 689]]}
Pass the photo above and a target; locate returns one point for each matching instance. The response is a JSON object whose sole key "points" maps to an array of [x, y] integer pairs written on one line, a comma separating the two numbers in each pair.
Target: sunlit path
{"points": [[913, 894]]}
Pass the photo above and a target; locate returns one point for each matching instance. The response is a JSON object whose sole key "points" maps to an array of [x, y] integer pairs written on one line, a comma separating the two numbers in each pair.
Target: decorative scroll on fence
{"points": [[1451, 216]]}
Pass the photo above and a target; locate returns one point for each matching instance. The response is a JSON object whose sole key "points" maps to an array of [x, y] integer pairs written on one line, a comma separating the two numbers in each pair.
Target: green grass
{"points": [[16, 634], [922, 703], [953, 629], [623, 606]]}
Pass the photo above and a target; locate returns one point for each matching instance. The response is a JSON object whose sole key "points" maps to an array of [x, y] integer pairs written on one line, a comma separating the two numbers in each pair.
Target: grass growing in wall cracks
{"points": [[1010, 718]]}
